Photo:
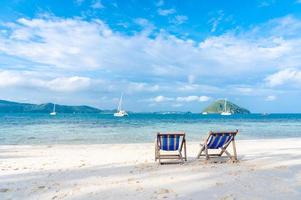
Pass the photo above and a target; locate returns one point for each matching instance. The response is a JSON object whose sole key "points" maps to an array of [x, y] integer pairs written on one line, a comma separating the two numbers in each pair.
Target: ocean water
{"points": [[138, 128]]}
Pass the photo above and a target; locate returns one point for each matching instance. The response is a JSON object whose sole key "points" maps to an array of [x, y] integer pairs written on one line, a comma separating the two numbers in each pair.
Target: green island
{"points": [[219, 107]]}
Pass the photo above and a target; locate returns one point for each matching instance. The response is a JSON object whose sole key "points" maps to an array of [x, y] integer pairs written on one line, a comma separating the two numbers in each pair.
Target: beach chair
{"points": [[219, 141], [170, 146]]}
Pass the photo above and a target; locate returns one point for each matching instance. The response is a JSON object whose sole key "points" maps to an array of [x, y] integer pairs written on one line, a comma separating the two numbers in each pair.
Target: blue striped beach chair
{"points": [[219, 141], [170, 146]]}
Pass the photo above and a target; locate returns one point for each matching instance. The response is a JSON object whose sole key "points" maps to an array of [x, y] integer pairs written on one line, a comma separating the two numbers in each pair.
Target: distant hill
{"points": [[218, 107], [14, 107]]}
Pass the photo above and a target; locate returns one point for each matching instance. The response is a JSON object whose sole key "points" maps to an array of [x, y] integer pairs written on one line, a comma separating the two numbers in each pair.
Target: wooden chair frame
{"points": [[175, 156], [223, 149]]}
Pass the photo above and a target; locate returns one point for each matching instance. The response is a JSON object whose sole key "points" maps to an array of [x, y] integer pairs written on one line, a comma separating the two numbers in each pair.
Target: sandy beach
{"points": [[267, 169]]}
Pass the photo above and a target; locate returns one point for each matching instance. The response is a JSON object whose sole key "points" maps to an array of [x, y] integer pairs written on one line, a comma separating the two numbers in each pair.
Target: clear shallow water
{"points": [[104, 128]]}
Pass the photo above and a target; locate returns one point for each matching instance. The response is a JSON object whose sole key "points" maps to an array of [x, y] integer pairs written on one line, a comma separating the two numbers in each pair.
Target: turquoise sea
{"points": [[104, 128]]}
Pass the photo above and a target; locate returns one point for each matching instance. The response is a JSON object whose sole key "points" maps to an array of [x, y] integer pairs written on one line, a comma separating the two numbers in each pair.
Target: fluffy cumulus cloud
{"points": [[286, 76], [165, 12], [61, 43], [80, 45], [78, 53], [179, 19], [142, 87], [159, 99], [193, 98], [179, 100], [69, 83], [9, 79]]}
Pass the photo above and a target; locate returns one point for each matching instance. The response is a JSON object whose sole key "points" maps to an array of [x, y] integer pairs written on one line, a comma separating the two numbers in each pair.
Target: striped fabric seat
{"points": [[170, 147], [219, 140], [170, 142]]}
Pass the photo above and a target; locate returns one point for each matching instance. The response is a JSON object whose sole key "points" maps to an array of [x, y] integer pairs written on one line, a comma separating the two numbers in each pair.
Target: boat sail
{"points": [[225, 112], [120, 112], [53, 111]]}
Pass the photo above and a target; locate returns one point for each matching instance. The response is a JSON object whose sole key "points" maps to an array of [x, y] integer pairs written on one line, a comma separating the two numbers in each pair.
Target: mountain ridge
{"points": [[16, 107]]}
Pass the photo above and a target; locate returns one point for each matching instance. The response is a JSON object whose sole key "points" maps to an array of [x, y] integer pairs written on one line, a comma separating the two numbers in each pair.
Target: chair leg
{"points": [[222, 151], [228, 154], [185, 153], [156, 150], [201, 151], [234, 150], [206, 151], [181, 157], [158, 157]]}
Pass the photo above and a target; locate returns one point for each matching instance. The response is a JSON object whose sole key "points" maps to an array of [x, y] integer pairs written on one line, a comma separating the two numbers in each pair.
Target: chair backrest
{"points": [[170, 141], [220, 139]]}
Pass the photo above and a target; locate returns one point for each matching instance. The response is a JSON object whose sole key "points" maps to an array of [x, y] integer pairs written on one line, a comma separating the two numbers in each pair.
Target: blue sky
{"points": [[163, 55]]}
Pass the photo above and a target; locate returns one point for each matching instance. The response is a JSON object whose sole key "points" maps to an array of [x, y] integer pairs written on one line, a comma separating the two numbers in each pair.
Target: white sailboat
{"points": [[53, 111], [204, 113], [120, 112], [225, 112]]}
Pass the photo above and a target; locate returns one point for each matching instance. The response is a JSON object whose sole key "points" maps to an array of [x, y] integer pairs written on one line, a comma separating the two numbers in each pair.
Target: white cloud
{"points": [[242, 51], [178, 100], [189, 88], [62, 44], [270, 98], [214, 21], [35, 80], [147, 26], [68, 84], [204, 98], [286, 76], [253, 91], [165, 12], [8, 79], [57, 42], [188, 99], [245, 90], [150, 61], [193, 98], [97, 4], [142, 87], [179, 19], [284, 27], [159, 99]]}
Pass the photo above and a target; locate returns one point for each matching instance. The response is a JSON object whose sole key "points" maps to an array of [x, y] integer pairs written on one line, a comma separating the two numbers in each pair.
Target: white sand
{"points": [[268, 169]]}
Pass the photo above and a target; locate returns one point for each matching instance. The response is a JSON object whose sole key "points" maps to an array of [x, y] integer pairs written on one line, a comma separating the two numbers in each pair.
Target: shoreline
{"points": [[267, 169], [192, 142]]}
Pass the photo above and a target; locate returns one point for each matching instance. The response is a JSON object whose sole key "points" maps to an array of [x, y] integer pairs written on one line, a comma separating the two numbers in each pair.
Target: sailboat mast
{"points": [[225, 106], [120, 101], [53, 107]]}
